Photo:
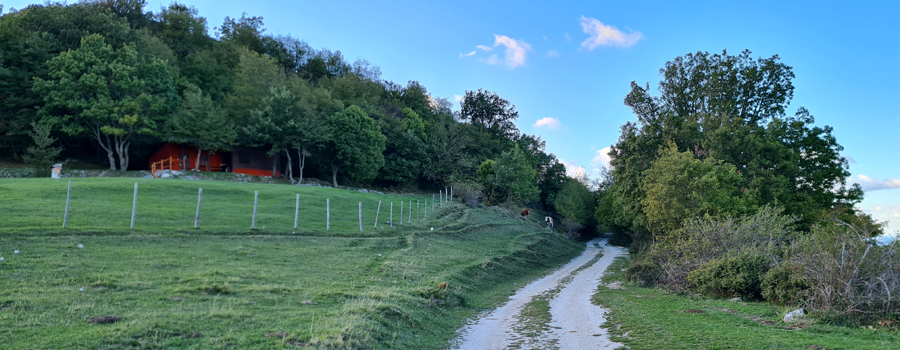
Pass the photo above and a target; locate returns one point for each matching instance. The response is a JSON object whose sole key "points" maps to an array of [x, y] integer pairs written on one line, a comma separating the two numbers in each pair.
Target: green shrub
{"points": [[785, 284], [644, 273], [731, 276]]}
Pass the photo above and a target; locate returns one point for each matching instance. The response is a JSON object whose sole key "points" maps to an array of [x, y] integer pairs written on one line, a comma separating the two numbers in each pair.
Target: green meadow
{"points": [[224, 285]]}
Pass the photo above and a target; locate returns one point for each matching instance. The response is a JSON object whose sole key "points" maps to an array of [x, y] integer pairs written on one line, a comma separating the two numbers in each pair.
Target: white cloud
{"points": [[568, 37], [870, 184], [601, 159], [549, 123], [850, 159], [485, 48], [514, 55], [466, 54], [606, 35], [573, 170], [457, 98], [552, 53]]}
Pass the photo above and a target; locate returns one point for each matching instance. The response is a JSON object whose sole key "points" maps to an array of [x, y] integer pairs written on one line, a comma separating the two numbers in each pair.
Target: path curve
{"points": [[576, 322]]}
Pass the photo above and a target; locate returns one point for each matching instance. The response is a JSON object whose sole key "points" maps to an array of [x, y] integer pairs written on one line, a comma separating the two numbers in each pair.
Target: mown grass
{"points": [[174, 287], [103, 205], [651, 318]]}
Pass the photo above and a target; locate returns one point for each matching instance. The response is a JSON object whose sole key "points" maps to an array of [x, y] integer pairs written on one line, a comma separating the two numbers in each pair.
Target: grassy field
{"points": [[103, 205], [225, 286], [651, 318]]}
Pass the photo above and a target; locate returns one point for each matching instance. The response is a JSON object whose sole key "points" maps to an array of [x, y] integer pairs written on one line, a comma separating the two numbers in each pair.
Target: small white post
{"points": [[134, 205], [392, 214], [199, 200], [401, 213], [425, 209], [68, 195], [255, 202], [409, 217], [432, 203], [442, 198], [446, 198], [417, 210], [376, 214], [297, 211], [327, 214], [360, 217]]}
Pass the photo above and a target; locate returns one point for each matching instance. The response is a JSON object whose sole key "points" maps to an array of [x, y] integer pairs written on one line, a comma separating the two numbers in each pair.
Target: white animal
{"points": [[549, 221], [80, 246], [15, 252]]}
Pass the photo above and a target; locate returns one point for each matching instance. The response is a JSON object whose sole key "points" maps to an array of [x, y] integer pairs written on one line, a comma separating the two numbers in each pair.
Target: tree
{"points": [[356, 145], [42, 155], [487, 111], [115, 95], [274, 123], [182, 29], [730, 108], [255, 77], [574, 203], [203, 124], [311, 130], [511, 178], [679, 187]]}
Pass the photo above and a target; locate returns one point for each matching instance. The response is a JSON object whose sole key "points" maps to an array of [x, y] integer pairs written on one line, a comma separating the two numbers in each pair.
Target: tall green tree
{"points": [[575, 205], [356, 145], [678, 187], [511, 178], [489, 112], [114, 95], [203, 124]]}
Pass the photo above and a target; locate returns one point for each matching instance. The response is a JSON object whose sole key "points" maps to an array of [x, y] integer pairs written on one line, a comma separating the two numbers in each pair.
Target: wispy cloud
{"points": [[552, 53], [466, 54], [567, 36], [605, 35], [573, 170], [870, 184], [514, 55], [483, 47], [457, 98], [549, 123]]}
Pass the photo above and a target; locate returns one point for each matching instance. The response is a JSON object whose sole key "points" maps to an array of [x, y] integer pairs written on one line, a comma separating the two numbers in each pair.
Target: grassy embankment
{"points": [[651, 318], [227, 286]]}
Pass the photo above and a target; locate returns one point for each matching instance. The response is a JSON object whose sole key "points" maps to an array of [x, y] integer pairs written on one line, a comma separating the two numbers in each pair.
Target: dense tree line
{"points": [[113, 81]]}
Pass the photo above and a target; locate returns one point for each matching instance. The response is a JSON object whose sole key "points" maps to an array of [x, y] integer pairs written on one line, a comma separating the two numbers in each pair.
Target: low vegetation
{"points": [[656, 318], [167, 285]]}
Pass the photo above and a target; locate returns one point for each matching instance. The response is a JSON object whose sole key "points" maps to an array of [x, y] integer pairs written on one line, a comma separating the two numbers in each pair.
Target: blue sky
{"points": [[573, 61]]}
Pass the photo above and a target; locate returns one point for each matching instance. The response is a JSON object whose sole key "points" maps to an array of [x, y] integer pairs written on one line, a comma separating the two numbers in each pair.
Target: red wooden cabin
{"points": [[241, 160]]}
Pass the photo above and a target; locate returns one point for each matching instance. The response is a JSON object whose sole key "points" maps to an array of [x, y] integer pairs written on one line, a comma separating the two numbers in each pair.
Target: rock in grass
{"points": [[307, 302], [736, 299], [793, 316], [105, 319]]}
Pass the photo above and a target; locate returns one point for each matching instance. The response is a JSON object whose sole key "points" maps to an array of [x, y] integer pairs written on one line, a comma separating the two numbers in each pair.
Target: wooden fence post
{"points": [[360, 217], [376, 214], [199, 200], [409, 217], [134, 205], [297, 211], [327, 214], [432, 204], [392, 214], [401, 213], [68, 195], [451, 193], [255, 202], [417, 210]]}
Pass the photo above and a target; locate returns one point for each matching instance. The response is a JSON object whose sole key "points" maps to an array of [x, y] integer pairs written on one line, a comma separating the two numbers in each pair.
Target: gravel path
{"points": [[575, 320]]}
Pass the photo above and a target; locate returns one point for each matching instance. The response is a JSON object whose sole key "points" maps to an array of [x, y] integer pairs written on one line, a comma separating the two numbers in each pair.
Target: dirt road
{"points": [[575, 321]]}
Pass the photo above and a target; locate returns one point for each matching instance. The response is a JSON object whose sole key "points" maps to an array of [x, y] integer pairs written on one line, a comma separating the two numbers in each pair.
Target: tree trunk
{"points": [[107, 147], [199, 152], [334, 171], [290, 170], [123, 163], [300, 164], [274, 163]]}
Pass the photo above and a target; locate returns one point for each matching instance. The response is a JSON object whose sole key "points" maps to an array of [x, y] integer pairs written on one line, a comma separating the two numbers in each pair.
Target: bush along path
{"points": [[553, 312]]}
